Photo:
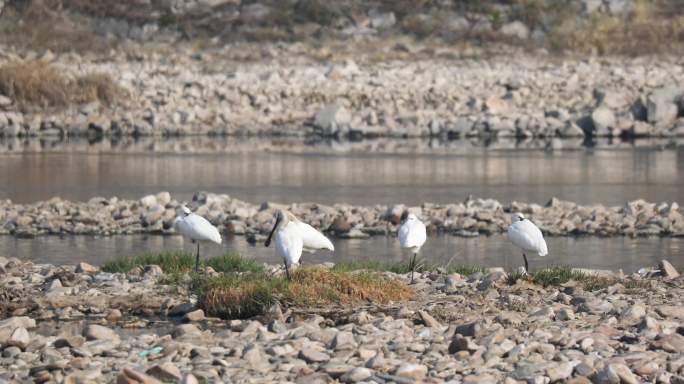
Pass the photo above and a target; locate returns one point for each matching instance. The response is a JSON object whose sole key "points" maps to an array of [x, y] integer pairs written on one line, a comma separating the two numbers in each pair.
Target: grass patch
{"points": [[169, 262], [465, 270], [232, 262], [653, 26], [37, 83], [247, 295], [41, 25], [380, 266], [182, 262], [404, 267], [556, 276]]}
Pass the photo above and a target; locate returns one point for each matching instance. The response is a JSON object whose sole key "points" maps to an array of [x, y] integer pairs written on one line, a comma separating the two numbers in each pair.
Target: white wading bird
{"points": [[527, 236], [412, 235], [293, 237], [197, 228]]}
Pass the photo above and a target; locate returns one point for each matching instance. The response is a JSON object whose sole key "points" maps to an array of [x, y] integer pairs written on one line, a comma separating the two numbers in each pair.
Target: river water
{"points": [[492, 251], [326, 174], [366, 173]]}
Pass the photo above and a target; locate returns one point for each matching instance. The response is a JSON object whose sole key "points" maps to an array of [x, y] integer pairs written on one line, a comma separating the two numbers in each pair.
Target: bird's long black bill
{"points": [[270, 235]]}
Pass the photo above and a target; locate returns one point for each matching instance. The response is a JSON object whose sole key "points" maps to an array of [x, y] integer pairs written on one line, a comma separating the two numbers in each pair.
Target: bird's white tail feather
{"points": [[543, 250]]}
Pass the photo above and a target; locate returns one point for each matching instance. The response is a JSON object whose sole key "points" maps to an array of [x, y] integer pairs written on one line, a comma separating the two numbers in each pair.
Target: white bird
{"points": [[527, 236], [197, 228], [293, 237], [412, 235]]}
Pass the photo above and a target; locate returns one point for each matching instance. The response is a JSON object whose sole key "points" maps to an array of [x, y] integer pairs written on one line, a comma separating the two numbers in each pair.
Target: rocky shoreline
{"points": [[71, 324], [450, 94], [154, 214], [231, 145]]}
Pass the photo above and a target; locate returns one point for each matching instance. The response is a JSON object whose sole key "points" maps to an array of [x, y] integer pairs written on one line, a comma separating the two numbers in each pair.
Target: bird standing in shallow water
{"points": [[412, 235], [293, 236], [527, 236], [197, 228]]}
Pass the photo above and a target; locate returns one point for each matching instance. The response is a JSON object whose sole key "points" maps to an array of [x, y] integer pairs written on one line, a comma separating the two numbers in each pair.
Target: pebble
{"points": [[437, 338]]}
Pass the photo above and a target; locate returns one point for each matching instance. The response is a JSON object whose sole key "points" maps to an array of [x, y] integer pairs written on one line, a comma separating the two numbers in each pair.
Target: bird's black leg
{"points": [[413, 266], [287, 271], [527, 268], [197, 258]]}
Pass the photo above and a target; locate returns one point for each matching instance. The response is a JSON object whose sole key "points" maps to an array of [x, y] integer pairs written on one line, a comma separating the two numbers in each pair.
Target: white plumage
{"points": [[526, 236], [312, 240], [412, 235], [293, 236], [196, 228]]}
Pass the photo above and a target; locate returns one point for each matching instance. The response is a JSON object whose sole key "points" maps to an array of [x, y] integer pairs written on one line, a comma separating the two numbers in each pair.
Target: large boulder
{"points": [[333, 119], [604, 121], [662, 109]]}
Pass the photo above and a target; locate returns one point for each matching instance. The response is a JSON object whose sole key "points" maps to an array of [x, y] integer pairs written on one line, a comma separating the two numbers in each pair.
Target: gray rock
{"points": [[380, 20], [166, 372], [343, 340], [559, 372], [516, 29], [357, 374], [604, 120], [313, 356], [333, 119], [662, 107], [20, 338], [668, 270], [197, 315], [411, 371], [185, 330], [99, 332]]}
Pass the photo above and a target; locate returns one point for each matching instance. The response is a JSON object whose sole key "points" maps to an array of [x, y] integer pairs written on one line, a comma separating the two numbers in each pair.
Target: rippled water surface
{"points": [[494, 251], [385, 172], [367, 173]]}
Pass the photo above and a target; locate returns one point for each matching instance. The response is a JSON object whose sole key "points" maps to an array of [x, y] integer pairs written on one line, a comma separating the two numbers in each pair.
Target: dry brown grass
{"points": [[243, 296], [38, 84], [647, 30], [39, 25]]}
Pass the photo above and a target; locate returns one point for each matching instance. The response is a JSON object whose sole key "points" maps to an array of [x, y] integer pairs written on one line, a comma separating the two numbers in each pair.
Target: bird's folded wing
{"points": [[312, 239]]}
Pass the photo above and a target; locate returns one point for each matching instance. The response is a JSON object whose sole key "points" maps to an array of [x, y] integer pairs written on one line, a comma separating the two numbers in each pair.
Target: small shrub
{"points": [[34, 82], [97, 86], [37, 83]]}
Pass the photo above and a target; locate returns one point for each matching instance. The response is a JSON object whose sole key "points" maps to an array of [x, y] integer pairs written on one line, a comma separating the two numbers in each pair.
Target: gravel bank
{"points": [[514, 94], [76, 324], [154, 214]]}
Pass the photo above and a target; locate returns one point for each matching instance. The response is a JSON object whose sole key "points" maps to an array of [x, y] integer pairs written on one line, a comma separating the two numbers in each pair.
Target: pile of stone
{"points": [[65, 324], [155, 214], [515, 95]]}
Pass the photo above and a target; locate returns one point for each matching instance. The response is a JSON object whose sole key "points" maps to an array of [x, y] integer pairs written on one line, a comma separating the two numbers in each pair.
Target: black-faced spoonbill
{"points": [[527, 236], [293, 236], [197, 228], [412, 235]]}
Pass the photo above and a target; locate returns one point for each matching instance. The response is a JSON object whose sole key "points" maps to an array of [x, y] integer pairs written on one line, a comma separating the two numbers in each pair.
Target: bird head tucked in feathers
{"points": [[186, 211], [517, 217]]}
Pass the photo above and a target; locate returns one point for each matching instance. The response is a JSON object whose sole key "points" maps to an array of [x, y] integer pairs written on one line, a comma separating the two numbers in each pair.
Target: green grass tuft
{"points": [[181, 262], [170, 262], [465, 270], [556, 276], [379, 266], [232, 262]]}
